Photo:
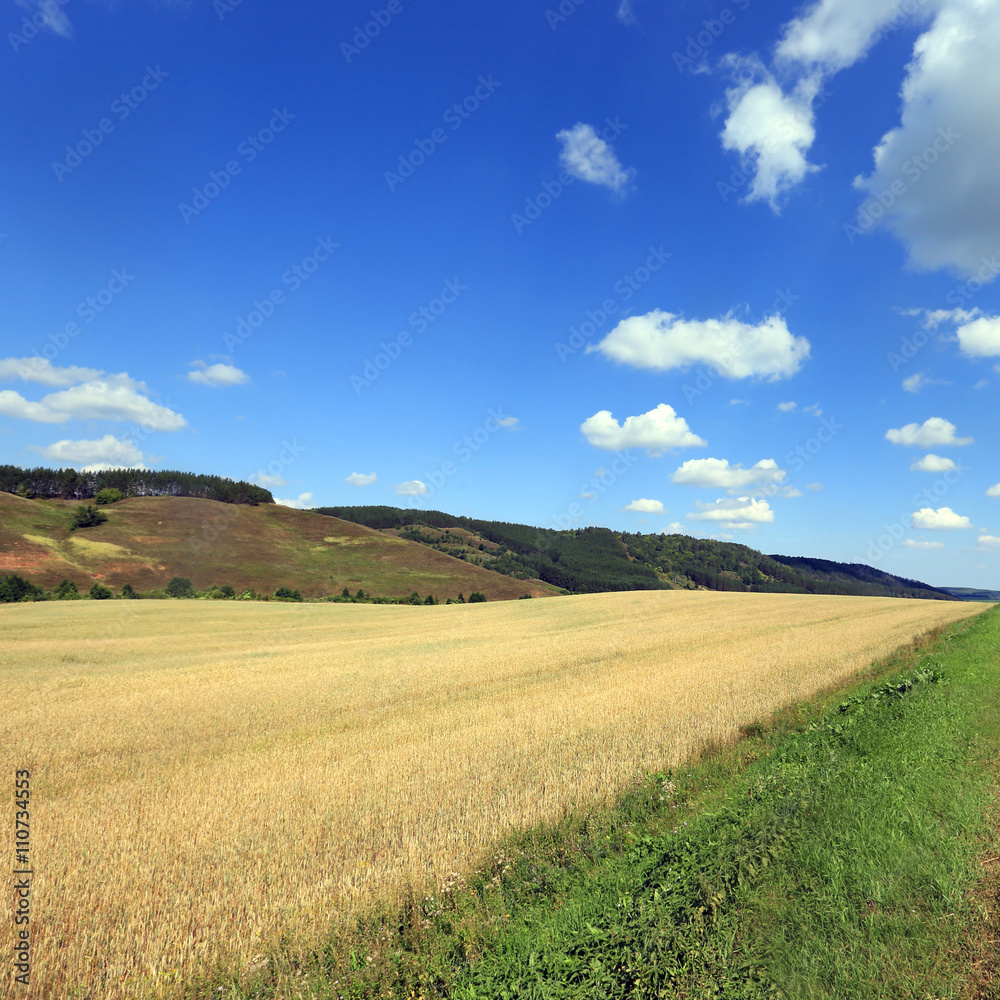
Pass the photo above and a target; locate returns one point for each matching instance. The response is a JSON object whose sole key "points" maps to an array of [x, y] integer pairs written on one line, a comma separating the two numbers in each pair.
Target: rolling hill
{"points": [[590, 560], [148, 540]]}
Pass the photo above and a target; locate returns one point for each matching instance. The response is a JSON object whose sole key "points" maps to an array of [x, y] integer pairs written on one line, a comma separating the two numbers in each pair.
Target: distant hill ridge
{"points": [[589, 560]]}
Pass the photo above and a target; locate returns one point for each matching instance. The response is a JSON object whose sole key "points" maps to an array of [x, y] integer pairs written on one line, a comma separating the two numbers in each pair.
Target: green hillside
{"points": [[148, 540], [590, 560]]}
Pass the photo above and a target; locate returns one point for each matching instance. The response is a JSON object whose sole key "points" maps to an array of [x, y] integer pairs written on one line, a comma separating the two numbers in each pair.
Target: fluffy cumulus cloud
{"points": [[411, 488], [988, 541], [217, 374], [107, 452], [361, 478], [304, 501], [42, 370], [933, 463], [937, 168], [932, 182], [770, 130], [268, 481], [933, 431], [658, 431], [787, 407], [739, 514], [646, 507], [660, 341], [994, 491], [980, 338], [589, 158], [942, 519], [89, 394], [912, 543], [717, 473]]}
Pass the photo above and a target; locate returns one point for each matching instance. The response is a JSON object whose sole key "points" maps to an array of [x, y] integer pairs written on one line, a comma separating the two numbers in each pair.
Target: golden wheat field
{"points": [[208, 775]]}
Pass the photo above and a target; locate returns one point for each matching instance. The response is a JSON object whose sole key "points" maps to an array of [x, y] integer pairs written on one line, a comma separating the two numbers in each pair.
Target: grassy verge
{"points": [[834, 852]]}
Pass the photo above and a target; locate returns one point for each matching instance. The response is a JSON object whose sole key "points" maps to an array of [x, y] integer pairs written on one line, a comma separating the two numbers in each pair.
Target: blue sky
{"points": [[727, 269]]}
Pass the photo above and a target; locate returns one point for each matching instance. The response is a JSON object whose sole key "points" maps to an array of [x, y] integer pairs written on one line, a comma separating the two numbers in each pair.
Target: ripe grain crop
{"points": [[208, 776]]}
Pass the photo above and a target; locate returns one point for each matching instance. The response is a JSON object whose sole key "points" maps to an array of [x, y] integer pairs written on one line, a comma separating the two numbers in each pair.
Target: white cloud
{"points": [[994, 491], [739, 402], [933, 431], [509, 421], [772, 131], [42, 370], [787, 407], [659, 430], [945, 149], [589, 158], [980, 338], [911, 543], [719, 474], [361, 478], [302, 502], [933, 463], [411, 488], [942, 519], [813, 410], [936, 169], [660, 341], [989, 540], [115, 398], [646, 507], [218, 374], [268, 481], [814, 486], [916, 382], [107, 452], [677, 527], [738, 514]]}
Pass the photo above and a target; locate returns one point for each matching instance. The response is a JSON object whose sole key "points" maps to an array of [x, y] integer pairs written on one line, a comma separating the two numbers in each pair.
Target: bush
{"points": [[429, 599], [14, 588], [284, 594], [86, 516], [227, 592], [99, 593], [249, 595], [110, 495], [477, 598], [180, 586], [128, 592], [525, 597], [67, 591]]}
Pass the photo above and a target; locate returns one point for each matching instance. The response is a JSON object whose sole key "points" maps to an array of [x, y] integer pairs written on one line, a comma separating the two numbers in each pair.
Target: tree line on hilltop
{"points": [[70, 484]]}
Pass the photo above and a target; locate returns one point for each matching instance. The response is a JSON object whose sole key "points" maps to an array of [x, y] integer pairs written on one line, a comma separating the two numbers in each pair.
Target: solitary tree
{"points": [[86, 516], [128, 592], [180, 586], [67, 591], [99, 593], [110, 495]]}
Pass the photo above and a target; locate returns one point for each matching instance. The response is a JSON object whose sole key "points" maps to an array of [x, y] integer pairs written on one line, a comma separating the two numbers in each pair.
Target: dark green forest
{"points": [[69, 484], [591, 560]]}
